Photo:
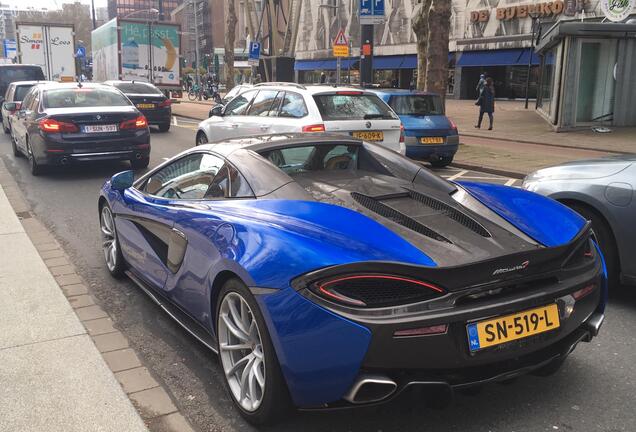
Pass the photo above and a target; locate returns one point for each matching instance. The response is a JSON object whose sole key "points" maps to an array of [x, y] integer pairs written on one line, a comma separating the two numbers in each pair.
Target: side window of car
{"points": [[26, 103], [35, 103], [239, 105], [263, 103], [293, 106], [9, 95]]}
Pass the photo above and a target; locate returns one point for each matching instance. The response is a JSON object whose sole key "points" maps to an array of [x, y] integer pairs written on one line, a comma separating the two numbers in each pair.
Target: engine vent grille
{"points": [[397, 217], [451, 212]]}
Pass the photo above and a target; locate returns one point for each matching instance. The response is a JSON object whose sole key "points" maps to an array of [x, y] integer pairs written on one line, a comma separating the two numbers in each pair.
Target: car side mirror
{"points": [[216, 111], [122, 180], [11, 106]]}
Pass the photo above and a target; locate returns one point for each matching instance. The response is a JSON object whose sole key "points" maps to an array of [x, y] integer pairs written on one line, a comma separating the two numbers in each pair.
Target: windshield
{"points": [[9, 74], [296, 160], [138, 88], [417, 105], [20, 92], [83, 98], [352, 106]]}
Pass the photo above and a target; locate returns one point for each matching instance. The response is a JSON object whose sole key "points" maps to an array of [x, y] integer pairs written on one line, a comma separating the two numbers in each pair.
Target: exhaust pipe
{"points": [[370, 388], [595, 322]]}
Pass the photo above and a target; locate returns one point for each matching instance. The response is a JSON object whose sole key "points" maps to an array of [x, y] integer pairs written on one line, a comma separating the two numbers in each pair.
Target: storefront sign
{"points": [[522, 11], [617, 10]]}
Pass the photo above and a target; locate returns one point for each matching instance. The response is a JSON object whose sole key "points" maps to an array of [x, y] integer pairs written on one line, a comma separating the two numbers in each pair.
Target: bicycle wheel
{"points": [[192, 95]]}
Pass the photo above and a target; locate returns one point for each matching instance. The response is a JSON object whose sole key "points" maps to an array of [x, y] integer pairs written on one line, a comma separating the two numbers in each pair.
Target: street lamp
{"points": [[338, 61], [534, 16]]}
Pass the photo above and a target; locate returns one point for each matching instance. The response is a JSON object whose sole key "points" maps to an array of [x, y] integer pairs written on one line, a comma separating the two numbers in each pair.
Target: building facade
{"points": [[492, 36], [121, 8]]}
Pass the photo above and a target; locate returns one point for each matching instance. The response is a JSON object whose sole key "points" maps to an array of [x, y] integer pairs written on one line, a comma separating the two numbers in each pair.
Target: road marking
{"points": [[510, 182], [458, 175], [174, 121]]}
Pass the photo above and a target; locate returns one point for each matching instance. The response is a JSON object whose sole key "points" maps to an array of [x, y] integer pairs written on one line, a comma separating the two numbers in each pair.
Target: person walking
{"points": [[486, 102]]}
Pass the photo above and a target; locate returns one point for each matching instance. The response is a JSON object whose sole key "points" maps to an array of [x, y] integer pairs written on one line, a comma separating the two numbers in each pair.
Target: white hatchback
{"points": [[273, 108]]}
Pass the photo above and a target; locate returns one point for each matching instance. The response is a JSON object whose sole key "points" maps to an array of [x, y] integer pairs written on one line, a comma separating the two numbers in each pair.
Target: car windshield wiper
{"points": [[375, 116]]}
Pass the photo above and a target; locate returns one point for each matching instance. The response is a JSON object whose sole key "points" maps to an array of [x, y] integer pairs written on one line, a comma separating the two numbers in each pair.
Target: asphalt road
{"points": [[593, 392]]}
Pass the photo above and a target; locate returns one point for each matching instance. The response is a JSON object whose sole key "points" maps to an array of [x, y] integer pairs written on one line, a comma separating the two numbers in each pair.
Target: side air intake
{"points": [[399, 218]]}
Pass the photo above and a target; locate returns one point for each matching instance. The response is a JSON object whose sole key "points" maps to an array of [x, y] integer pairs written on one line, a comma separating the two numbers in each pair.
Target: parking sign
{"points": [[255, 53], [371, 11]]}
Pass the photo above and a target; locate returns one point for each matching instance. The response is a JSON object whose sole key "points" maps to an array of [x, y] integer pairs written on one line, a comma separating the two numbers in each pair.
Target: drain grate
{"points": [[24, 215]]}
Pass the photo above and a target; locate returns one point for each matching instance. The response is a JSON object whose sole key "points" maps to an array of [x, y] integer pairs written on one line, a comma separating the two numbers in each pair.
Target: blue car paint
{"points": [[604, 285], [541, 218], [319, 352]]}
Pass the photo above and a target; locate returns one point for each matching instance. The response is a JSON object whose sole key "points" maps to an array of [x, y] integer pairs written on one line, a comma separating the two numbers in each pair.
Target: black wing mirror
{"points": [[216, 111], [11, 106], [122, 180]]}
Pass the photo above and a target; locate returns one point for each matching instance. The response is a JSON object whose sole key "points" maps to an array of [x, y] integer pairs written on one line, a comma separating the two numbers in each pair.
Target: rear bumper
{"points": [[157, 116], [416, 150]]}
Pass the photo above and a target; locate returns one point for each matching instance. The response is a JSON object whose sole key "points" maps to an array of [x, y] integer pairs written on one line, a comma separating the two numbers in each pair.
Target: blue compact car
{"points": [[329, 272], [429, 134]]}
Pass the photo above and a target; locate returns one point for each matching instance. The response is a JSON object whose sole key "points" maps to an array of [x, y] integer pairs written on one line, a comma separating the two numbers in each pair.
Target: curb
{"points": [[473, 135], [495, 171], [152, 402], [191, 117]]}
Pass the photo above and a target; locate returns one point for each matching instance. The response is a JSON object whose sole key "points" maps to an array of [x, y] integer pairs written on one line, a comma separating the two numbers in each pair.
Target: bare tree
{"points": [[420, 24], [438, 32], [230, 37]]}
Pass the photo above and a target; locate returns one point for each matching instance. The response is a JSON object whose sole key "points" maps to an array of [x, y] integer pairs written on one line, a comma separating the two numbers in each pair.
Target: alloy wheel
{"points": [[202, 139], [241, 351], [109, 239]]}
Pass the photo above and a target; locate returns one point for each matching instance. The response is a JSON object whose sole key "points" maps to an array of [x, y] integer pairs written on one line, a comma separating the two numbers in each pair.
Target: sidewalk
{"points": [[53, 377]]}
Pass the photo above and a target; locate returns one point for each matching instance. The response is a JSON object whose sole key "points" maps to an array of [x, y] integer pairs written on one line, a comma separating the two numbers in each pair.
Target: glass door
{"points": [[596, 81]]}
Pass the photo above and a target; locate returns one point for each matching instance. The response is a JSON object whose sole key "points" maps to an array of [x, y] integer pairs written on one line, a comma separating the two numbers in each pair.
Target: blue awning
{"points": [[408, 61], [503, 57], [327, 64]]}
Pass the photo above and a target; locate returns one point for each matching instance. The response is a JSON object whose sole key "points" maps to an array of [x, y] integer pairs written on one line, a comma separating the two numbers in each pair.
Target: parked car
{"points": [[602, 191], [428, 133], [12, 100], [230, 95], [153, 104], [18, 72], [271, 108], [329, 272], [60, 124]]}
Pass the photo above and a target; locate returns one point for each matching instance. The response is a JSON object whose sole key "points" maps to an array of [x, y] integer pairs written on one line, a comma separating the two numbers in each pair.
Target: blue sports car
{"points": [[328, 272]]}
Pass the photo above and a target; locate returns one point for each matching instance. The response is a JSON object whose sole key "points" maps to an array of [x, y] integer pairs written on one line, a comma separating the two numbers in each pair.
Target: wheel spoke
{"points": [[234, 330], [245, 318], [244, 381], [238, 365], [251, 382], [236, 317], [237, 347], [258, 373]]}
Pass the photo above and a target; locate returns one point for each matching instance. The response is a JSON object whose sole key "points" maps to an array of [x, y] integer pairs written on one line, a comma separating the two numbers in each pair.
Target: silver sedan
{"points": [[601, 190]]}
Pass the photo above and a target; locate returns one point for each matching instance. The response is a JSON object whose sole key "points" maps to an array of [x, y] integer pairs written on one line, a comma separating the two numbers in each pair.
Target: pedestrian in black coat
{"points": [[486, 103]]}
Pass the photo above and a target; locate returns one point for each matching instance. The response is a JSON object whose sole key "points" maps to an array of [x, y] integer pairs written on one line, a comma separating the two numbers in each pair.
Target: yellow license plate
{"points": [[145, 106], [369, 135], [508, 328], [432, 140]]}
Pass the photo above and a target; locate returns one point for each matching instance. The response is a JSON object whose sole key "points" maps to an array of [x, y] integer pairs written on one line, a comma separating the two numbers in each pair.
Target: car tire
{"points": [[138, 164], [6, 129], [217, 98], [201, 139], [442, 162], [605, 238], [261, 404], [35, 169], [164, 127], [16, 151], [110, 242]]}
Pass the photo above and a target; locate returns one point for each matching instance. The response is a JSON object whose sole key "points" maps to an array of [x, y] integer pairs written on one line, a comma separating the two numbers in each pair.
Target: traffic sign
{"points": [[371, 11], [255, 53], [341, 45], [81, 52]]}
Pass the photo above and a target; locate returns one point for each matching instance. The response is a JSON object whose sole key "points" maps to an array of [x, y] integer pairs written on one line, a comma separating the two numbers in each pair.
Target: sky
{"points": [[49, 4]]}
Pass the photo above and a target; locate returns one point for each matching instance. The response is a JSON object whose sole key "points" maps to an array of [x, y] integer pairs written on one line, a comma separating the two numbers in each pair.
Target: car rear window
{"points": [[296, 160], [417, 105], [21, 91], [83, 98], [138, 88], [21, 73], [352, 106]]}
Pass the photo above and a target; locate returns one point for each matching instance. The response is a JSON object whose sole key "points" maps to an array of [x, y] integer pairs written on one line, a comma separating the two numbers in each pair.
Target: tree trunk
{"points": [[420, 24], [230, 37], [438, 30]]}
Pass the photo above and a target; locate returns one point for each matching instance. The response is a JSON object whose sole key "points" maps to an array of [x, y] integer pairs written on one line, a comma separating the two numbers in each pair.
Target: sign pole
{"points": [[338, 59]]}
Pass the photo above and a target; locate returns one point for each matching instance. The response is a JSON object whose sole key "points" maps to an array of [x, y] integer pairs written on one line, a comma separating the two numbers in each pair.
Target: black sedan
{"points": [[149, 100], [60, 124]]}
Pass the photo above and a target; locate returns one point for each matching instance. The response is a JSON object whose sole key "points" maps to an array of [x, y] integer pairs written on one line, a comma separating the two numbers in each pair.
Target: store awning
{"points": [[327, 64], [503, 57], [408, 61]]}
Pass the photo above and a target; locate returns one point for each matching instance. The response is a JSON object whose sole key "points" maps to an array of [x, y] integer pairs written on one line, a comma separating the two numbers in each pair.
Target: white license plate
{"points": [[100, 128]]}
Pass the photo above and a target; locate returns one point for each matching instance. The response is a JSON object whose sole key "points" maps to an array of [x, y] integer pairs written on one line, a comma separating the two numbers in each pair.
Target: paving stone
{"points": [[70, 279], [153, 402], [41, 237], [110, 342], [121, 359], [62, 270], [32, 225], [135, 380], [99, 326], [81, 301], [90, 313], [74, 290], [174, 422], [47, 247], [56, 253], [59, 261]]}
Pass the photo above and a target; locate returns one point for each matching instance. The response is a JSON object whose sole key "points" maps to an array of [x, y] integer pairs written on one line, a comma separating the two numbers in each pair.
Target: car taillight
{"points": [[375, 290], [49, 125], [165, 103], [348, 93], [588, 289], [401, 133], [136, 123], [452, 124], [314, 128]]}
